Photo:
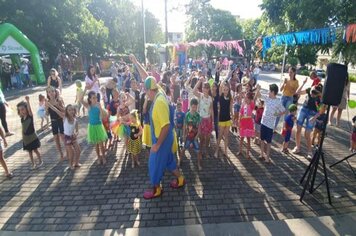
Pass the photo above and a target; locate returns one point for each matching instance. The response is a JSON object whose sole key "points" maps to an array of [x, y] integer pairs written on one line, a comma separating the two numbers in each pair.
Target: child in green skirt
{"points": [[96, 131]]}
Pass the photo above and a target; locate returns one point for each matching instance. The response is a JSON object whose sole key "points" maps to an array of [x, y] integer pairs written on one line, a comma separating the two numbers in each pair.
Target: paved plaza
{"points": [[233, 189]]}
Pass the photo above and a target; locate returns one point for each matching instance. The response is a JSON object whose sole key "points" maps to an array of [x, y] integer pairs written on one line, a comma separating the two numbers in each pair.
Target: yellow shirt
{"points": [[160, 114], [290, 88], [160, 118]]}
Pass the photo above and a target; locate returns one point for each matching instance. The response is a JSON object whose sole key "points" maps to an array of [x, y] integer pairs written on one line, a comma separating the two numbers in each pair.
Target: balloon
{"points": [[352, 104]]}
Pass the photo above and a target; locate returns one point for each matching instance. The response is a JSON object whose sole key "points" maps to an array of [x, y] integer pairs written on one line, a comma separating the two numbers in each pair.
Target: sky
{"points": [[176, 17]]}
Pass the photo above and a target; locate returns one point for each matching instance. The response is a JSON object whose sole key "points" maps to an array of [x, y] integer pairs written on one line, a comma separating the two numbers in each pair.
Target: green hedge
{"points": [[352, 78], [304, 72]]}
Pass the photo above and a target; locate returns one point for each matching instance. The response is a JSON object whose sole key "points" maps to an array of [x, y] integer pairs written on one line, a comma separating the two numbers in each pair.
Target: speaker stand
{"points": [[312, 168], [347, 161]]}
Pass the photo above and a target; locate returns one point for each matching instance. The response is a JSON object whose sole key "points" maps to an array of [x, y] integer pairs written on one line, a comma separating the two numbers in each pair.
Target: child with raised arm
{"points": [[71, 129], [206, 113], [41, 112], [273, 109], [30, 141], [96, 131], [8, 174], [56, 121]]}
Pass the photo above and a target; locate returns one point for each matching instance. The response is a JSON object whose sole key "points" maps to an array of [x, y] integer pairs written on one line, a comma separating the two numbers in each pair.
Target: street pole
{"points": [[284, 62], [144, 32], [284, 55], [166, 26]]}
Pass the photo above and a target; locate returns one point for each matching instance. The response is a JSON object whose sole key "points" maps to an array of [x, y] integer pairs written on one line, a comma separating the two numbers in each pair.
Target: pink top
{"points": [[247, 109]]}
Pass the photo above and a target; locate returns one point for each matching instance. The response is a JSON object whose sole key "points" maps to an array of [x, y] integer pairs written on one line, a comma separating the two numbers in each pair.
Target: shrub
{"points": [[304, 72], [352, 78]]}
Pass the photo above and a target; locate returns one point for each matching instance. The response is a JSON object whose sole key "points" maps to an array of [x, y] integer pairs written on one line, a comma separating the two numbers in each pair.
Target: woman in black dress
{"points": [[31, 143], [54, 80]]}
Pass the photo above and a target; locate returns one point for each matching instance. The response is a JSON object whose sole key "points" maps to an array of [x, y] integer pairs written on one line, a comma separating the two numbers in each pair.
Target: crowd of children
{"points": [[202, 106]]}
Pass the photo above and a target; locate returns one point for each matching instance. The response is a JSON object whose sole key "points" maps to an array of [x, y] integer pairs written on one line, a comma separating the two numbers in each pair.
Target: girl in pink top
{"points": [[247, 128]]}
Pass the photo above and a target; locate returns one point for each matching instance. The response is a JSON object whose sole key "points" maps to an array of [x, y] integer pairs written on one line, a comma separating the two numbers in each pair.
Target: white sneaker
{"points": [[310, 155], [34, 166]]}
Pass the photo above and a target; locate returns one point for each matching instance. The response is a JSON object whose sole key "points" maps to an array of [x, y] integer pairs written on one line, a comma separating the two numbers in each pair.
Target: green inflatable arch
{"points": [[13, 41]]}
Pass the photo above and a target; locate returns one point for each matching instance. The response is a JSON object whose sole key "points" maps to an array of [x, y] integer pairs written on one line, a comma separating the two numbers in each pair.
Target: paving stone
{"points": [[96, 197]]}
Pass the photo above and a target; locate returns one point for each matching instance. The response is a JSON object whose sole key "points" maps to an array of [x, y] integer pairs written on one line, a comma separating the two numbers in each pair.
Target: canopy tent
{"points": [[13, 41]]}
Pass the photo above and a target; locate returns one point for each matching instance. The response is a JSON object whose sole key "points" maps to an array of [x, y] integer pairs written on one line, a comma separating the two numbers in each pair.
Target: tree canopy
{"points": [[309, 14], [206, 22], [82, 26]]}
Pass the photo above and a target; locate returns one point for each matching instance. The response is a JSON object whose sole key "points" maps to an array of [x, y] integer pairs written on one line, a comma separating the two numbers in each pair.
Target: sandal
{"points": [[9, 175], [175, 183], [285, 151], [296, 151], [154, 193]]}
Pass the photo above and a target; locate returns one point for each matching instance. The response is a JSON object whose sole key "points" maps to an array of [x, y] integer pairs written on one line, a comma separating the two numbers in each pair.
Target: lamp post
{"points": [[144, 32], [284, 55], [166, 28]]}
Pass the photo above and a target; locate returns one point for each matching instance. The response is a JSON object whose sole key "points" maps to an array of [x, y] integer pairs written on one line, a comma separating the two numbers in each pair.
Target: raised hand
{"points": [[133, 58]]}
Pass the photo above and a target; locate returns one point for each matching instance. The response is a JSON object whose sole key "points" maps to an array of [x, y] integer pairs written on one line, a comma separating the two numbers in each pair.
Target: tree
{"points": [[55, 25], [206, 22], [309, 14], [88, 27], [124, 20], [250, 31]]}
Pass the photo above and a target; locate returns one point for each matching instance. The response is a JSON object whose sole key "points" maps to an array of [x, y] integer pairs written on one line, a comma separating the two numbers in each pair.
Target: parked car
{"points": [[321, 73]]}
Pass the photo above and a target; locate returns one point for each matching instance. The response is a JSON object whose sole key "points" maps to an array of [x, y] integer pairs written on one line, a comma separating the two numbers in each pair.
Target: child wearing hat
{"points": [[288, 126]]}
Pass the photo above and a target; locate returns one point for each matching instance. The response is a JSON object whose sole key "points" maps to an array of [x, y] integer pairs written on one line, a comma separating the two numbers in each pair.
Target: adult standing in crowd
{"points": [[113, 70], [289, 88], [54, 80], [3, 103], [6, 76], [126, 77], [26, 73], [256, 73], [164, 143], [341, 106], [92, 81], [308, 115]]}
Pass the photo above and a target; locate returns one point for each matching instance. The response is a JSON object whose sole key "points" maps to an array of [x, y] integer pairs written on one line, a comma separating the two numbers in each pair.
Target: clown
{"points": [[164, 143]]}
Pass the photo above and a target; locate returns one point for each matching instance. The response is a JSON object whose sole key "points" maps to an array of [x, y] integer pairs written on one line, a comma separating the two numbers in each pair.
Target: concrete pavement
{"points": [[326, 226]]}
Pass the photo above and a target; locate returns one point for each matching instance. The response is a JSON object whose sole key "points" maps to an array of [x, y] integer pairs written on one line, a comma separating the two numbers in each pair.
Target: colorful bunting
{"points": [[316, 36], [350, 35], [235, 44]]}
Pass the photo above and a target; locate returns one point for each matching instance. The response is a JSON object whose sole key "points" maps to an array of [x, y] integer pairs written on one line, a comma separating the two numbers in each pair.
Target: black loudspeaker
{"points": [[336, 76]]}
